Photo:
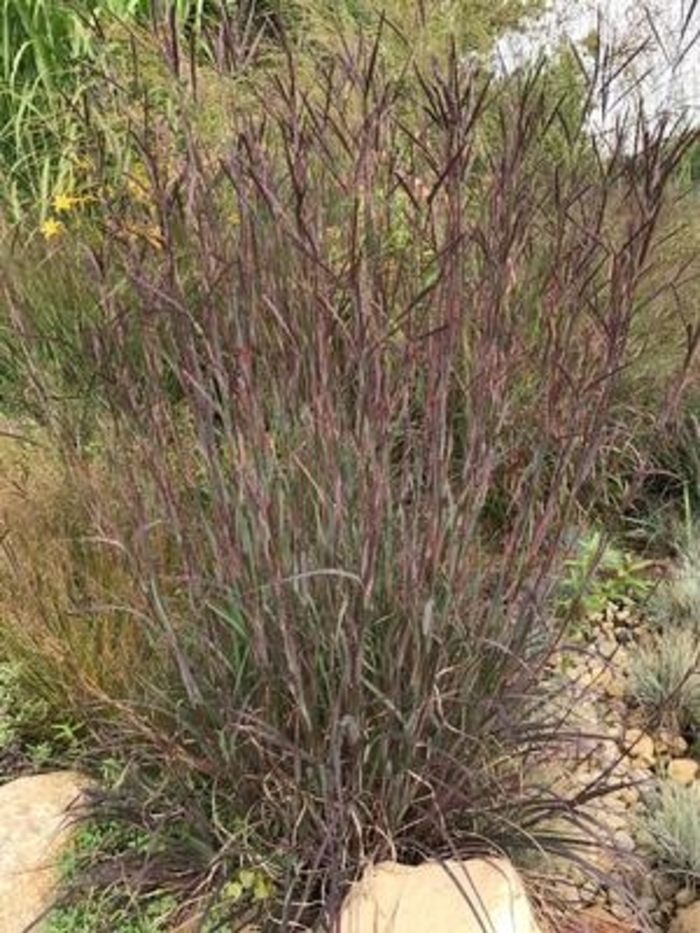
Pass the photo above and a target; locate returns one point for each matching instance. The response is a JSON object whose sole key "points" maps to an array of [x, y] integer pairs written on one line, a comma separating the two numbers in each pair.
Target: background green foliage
{"points": [[52, 54]]}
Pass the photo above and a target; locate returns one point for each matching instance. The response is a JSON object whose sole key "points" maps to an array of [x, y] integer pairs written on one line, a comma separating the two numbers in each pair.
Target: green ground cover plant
{"points": [[324, 385], [600, 573], [97, 846]]}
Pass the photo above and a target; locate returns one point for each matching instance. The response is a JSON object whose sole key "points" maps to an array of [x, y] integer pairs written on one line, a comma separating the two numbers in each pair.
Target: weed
{"points": [[30, 739], [94, 847], [100, 912]]}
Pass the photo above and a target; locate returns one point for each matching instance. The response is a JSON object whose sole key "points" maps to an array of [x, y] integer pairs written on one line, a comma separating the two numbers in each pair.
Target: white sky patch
{"points": [[665, 73]]}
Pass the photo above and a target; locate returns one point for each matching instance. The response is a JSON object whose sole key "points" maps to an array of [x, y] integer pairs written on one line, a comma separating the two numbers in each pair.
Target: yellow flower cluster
{"points": [[62, 203], [138, 222]]}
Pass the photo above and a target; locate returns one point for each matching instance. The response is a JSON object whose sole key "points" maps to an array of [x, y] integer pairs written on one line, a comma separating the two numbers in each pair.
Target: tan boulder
{"points": [[687, 920], [683, 770], [34, 828], [450, 897]]}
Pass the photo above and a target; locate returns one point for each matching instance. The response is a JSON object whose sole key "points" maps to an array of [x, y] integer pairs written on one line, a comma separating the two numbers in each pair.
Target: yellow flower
{"points": [[64, 202], [51, 228]]}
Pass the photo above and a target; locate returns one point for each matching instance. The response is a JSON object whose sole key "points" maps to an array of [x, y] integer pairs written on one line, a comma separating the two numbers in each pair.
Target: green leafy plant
{"points": [[29, 737], [103, 911], [600, 573], [48, 56], [95, 847]]}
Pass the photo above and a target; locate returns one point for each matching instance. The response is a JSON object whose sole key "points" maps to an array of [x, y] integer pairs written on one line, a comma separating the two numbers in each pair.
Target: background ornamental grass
{"points": [[335, 353]]}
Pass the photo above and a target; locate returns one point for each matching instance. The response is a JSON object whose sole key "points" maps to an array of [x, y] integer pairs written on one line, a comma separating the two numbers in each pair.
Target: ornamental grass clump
{"points": [[350, 407], [672, 826], [676, 602], [665, 677]]}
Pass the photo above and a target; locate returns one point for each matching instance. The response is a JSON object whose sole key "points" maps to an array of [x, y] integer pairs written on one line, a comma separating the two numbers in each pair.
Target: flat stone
{"points": [[34, 828], [683, 771], [455, 896]]}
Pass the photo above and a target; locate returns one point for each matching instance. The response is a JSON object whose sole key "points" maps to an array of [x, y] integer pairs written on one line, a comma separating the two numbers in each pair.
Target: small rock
{"points": [[615, 729], [646, 843], [623, 841], [641, 777], [606, 756], [683, 771], [687, 920], [671, 742], [616, 687], [647, 905], [664, 886], [685, 896], [640, 747], [629, 796], [607, 647], [614, 802], [596, 919]]}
